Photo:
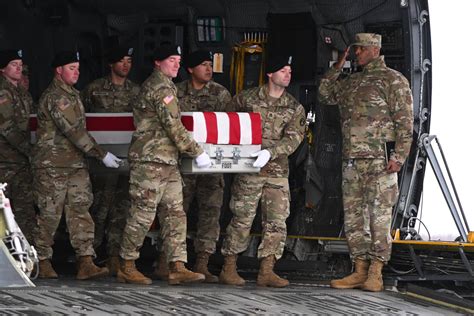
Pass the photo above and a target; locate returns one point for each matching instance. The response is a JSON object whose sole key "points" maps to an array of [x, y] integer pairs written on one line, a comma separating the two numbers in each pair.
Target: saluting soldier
{"points": [[283, 125], [155, 180], [113, 93], [376, 108], [61, 182], [201, 93], [15, 108]]}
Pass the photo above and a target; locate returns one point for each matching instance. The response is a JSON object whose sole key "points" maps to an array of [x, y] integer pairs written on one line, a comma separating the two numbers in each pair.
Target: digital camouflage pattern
{"points": [[111, 202], [68, 190], [15, 107], [61, 180], [376, 106], [367, 39], [110, 209], [274, 196], [209, 192], [117, 216], [159, 136], [213, 97], [102, 96], [366, 182], [207, 189], [283, 126], [155, 180], [155, 188], [62, 138]]}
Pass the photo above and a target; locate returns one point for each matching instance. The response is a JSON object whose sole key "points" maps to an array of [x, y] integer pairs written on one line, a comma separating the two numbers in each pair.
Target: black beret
{"points": [[7, 56], [64, 58], [165, 51], [277, 62], [197, 57], [118, 53]]}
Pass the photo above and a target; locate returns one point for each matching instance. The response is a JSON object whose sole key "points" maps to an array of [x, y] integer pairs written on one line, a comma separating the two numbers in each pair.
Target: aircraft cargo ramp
{"points": [[10, 275], [67, 296]]}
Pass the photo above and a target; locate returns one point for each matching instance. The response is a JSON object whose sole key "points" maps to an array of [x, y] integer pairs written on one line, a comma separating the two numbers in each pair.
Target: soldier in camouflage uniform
{"points": [[155, 181], [111, 94], [25, 83], [376, 108], [15, 107], [201, 93], [283, 125], [61, 180]]}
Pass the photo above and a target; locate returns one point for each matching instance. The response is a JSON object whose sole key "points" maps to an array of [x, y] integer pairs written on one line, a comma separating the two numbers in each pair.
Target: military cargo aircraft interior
{"points": [[243, 36]]}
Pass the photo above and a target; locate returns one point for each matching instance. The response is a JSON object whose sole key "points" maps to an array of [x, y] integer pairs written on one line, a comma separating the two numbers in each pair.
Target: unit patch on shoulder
{"points": [[168, 99]]}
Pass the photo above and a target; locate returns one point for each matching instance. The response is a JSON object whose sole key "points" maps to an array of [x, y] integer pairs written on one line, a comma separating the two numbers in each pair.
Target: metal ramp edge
{"points": [[10, 274]]}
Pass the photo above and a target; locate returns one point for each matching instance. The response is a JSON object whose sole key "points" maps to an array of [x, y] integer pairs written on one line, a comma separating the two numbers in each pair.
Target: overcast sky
{"points": [[452, 112]]}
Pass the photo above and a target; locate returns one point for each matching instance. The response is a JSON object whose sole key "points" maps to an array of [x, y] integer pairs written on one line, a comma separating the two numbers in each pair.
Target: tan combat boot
{"points": [[266, 276], [229, 273], [88, 270], [46, 271], [113, 264], [179, 274], [374, 282], [161, 271], [128, 273], [354, 280], [202, 261]]}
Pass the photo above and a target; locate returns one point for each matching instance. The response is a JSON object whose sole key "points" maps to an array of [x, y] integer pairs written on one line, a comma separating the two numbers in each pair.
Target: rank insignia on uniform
{"points": [[130, 51], [302, 122], [290, 59], [168, 99], [20, 53]]}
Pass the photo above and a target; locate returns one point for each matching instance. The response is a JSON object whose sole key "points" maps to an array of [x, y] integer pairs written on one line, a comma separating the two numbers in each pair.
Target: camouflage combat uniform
{"points": [[102, 96], [15, 107], [111, 202], [155, 180], [61, 177], [376, 107], [208, 189], [283, 125]]}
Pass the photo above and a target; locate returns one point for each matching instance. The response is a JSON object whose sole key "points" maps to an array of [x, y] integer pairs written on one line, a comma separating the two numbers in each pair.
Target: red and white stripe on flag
{"points": [[106, 128], [232, 128]]}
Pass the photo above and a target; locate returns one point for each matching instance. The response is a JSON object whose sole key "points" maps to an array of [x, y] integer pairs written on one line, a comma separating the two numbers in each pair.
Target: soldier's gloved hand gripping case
{"points": [[203, 160], [263, 158], [111, 161]]}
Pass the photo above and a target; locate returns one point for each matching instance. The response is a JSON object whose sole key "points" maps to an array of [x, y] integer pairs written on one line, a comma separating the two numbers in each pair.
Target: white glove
{"points": [[111, 161], [203, 160], [263, 158]]}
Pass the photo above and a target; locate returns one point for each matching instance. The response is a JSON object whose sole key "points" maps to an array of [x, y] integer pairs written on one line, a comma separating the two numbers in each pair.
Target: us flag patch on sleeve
{"points": [[168, 99]]}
